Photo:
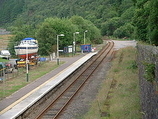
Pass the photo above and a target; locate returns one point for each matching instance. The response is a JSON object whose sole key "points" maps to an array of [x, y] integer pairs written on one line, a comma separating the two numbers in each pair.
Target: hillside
{"points": [[134, 19], [9, 10], [35, 11]]}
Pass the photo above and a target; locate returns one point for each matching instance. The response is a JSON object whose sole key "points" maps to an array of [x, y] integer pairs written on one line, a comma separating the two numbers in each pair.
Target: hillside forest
{"points": [[44, 19]]}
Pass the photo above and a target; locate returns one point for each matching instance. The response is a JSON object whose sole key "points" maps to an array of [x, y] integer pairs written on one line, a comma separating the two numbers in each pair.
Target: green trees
{"points": [[35, 11], [146, 21], [125, 31], [112, 17], [9, 10], [46, 33], [119, 20], [153, 23], [110, 26], [93, 34], [51, 27]]}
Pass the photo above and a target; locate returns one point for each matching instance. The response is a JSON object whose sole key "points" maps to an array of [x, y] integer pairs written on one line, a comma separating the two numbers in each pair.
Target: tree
{"points": [[125, 31], [152, 28], [48, 31], [140, 22], [10, 10], [92, 36], [146, 20], [110, 26], [127, 15]]}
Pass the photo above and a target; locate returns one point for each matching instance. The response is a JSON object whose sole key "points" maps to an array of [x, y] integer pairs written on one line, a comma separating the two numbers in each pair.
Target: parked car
{"points": [[9, 68], [2, 69], [5, 54], [5, 68]]}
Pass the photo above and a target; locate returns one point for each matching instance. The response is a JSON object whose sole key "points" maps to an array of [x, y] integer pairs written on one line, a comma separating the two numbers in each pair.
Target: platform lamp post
{"points": [[85, 35], [27, 65], [74, 42], [58, 47]]}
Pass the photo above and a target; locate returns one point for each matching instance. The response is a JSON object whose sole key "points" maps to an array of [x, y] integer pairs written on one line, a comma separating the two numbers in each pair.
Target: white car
{"points": [[5, 54]]}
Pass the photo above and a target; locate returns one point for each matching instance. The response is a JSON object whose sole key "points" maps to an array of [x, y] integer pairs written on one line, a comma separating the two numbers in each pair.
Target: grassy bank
{"points": [[3, 60], [118, 97], [4, 40], [19, 80]]}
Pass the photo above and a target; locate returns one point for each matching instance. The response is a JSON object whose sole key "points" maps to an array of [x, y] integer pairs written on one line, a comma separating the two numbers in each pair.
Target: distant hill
{"points": [[9, 10], [135, 19], [35, 11]]}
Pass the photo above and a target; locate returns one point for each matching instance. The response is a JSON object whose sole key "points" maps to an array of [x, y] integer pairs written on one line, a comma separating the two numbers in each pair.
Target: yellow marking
{"points": [[25, 96]]}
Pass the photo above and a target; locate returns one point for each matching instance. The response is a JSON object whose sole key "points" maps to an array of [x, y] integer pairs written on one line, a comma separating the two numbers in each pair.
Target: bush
{"points": [[149, 72]]}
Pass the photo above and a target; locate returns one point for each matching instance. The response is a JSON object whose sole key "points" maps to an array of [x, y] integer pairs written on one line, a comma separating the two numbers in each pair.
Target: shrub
{"points": [[149, 72]]}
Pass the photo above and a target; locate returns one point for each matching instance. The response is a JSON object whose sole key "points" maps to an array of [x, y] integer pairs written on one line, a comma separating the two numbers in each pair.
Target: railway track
{"points": [[56, 107]]}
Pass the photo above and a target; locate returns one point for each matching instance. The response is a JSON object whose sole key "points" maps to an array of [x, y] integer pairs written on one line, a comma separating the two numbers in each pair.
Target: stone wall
{"points": [[148, 89]]}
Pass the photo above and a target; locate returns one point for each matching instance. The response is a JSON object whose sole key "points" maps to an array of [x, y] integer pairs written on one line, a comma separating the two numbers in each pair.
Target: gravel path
{"points": [[82, 101]]}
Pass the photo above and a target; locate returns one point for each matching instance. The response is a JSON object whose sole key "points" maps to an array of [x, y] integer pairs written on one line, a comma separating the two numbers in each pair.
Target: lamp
{"points": [[58, 47], [85, 35]]}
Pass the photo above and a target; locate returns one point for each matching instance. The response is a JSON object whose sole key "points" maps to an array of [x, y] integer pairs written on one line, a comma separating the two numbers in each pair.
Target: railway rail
{"points": [[53, 110]]}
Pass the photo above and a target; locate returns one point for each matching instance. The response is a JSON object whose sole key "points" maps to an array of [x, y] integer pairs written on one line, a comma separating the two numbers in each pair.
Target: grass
{"points": [[4, 40], [3, 60], [11, 85], [118, 97]]}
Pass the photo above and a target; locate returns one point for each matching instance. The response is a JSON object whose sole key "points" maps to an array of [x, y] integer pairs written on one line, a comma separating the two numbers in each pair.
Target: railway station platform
{"points": [[18, 102]]}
